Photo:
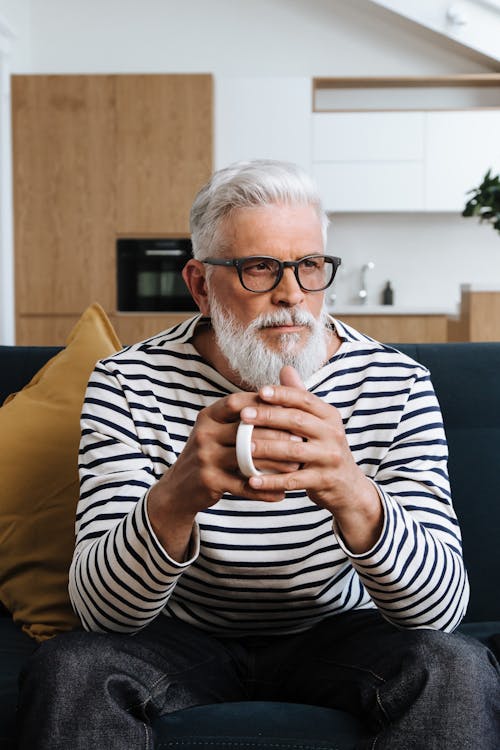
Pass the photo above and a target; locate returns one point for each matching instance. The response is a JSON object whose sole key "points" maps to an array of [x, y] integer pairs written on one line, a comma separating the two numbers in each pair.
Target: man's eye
{"points": [[311, 264], [261, 266]]}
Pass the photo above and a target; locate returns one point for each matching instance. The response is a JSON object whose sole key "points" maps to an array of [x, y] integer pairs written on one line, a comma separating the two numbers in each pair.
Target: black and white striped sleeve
{"points": [[120, 577], [415, 573]]}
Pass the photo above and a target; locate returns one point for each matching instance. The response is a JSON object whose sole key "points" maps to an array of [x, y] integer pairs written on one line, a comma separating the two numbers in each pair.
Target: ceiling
{"points": [[473, 25]]}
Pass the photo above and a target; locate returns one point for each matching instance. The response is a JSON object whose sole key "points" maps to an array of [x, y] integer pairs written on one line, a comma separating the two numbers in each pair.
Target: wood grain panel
{"points": [[53, 330], [164, 149], [132, 328], [479, 317], [64, 192], [400, 328], [44, 330], [459, 80], [485, 316]]}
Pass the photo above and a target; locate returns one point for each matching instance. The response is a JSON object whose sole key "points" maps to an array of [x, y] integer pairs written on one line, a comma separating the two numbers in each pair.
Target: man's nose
{"points": [[288, 291]]}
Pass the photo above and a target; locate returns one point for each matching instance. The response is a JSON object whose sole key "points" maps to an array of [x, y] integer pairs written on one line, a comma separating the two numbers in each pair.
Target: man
{"points": [[334, 579]]}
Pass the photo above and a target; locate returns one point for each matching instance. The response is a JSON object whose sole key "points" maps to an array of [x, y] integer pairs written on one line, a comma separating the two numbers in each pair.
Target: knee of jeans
{"points": [[453, 654], [63, 658]]}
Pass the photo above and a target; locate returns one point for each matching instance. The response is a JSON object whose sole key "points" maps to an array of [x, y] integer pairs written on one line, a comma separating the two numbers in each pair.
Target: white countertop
{"points": [[480, 288], [389, 310]]}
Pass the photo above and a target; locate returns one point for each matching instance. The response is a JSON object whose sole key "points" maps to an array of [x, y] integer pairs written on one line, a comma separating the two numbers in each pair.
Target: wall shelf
{"points": [[475, 91]]}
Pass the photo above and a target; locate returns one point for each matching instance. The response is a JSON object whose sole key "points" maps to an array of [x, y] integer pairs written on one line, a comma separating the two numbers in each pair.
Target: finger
{"points": [[225, 434], [268, 433], [297, 422], [271, 466], [287, 396], [225, 482], [284, 451], [240, 487], [224, 458], [292, 482], [291, 378], [228, 408], [208, 432], [271, 450]]}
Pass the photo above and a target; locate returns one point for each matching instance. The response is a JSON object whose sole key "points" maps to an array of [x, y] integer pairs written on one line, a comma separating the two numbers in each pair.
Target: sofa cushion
{"points": [[465, 376], [39, 438], [19, 364], [258, 726], [15, 647]]}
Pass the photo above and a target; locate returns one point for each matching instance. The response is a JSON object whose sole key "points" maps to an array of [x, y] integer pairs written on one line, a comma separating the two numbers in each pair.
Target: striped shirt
{"points": [[257, 567]]}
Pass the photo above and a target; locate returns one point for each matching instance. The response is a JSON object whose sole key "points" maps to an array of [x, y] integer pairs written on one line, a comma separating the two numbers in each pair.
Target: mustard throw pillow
{"points": [[39, 439]]}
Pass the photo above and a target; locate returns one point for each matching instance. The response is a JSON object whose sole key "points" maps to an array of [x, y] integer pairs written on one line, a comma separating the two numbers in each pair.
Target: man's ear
{"points": [[193, 274]]}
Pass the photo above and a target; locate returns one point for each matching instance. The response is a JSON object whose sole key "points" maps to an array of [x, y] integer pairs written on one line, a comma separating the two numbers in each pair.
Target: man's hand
{"points": [[328, 470], [207, 468]]}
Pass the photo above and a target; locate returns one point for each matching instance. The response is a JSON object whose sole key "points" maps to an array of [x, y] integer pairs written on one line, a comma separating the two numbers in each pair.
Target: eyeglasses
{"points": [[261, 273]]}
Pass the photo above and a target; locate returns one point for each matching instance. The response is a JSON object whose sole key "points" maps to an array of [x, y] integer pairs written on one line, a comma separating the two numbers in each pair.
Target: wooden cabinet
{"points": [[479, 318], [64, 192], [400, 328], [97, 156], [131, 328], [163, 150], [53, 330]]}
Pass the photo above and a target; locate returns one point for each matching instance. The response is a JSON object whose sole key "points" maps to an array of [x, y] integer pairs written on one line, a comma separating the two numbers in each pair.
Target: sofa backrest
{"points": [[18, 364], [466, 377]]}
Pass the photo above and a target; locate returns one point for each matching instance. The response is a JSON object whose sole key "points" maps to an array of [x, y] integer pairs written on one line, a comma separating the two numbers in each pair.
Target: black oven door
{"points": [[150, 275]]}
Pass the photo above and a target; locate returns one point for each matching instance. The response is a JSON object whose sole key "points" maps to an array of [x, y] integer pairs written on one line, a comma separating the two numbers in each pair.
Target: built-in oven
{"points": [[150, 274]]}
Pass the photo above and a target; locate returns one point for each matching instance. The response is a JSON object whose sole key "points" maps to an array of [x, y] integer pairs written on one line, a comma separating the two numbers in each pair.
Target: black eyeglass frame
{"points": [[282, 264]]}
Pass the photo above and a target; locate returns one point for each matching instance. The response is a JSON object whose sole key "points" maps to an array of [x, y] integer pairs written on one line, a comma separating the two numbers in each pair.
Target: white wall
{"points": [[237, 37], [474, 23], [427, 257], [17, 15], [7, 325]]}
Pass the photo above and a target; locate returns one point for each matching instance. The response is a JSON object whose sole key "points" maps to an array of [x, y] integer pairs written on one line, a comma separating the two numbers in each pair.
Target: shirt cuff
{"points": [[378, 545], [193, 549]]}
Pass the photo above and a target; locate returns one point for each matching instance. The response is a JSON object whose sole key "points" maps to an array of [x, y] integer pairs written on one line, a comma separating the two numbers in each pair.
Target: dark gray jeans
{"points": [[415, 689]]}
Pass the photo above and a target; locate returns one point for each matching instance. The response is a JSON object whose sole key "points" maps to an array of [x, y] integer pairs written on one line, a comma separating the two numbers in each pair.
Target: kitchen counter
{"points": [[396, 323], [352, 310]]}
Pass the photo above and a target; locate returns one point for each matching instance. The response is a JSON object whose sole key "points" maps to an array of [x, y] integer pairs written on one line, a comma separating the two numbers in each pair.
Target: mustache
{"points": [[283, 317]]}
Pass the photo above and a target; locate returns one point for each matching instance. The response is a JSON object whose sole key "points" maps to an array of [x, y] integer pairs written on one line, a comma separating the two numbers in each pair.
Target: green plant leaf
{"points": [[484, 202]]}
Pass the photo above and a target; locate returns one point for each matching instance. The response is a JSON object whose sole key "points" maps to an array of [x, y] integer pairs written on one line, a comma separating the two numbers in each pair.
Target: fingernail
{"points": [[255, 482], [267, 391], [248, 413]]}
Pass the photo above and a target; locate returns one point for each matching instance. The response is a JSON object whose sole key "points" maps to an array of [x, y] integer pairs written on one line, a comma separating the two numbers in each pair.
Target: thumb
{"points": [[290, 377]]}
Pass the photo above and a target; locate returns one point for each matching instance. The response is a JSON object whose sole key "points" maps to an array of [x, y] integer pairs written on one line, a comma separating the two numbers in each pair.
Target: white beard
{"points": [[257, 364]]}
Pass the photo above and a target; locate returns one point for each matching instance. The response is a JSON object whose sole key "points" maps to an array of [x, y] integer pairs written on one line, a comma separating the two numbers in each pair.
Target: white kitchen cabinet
{"points": [[266, 118], [403, 161], [370, 186], [369, 161], [460, 147], [368, 136]]}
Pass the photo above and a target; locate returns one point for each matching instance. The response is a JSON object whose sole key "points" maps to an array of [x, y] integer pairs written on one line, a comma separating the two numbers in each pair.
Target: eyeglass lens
{"points": [[259, 274]]}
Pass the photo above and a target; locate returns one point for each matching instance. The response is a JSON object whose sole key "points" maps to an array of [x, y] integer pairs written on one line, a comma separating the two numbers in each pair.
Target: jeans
{"points": [[414, 689]]}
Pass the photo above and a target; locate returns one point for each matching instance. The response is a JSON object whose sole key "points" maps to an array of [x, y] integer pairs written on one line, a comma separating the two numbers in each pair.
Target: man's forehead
{"points": [[271, 222]]}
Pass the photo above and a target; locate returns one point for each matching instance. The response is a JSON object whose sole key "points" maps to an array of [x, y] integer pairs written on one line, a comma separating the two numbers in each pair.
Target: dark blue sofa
{"points": [[467, 381]]}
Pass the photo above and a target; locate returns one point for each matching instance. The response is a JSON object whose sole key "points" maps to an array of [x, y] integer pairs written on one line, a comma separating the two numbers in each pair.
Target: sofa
{"points": [[466, 377]]}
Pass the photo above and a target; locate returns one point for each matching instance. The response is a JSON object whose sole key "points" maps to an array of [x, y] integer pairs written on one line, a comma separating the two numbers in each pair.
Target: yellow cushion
{"points": [[39, 438]]}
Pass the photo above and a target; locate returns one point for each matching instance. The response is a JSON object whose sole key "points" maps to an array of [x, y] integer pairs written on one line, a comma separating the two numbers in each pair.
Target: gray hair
{"points": [[247, 184]]}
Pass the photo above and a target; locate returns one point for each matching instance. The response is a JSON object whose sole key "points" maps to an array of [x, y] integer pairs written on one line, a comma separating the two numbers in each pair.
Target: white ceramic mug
{"points": [[244, 451]]}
